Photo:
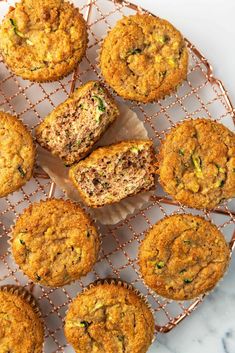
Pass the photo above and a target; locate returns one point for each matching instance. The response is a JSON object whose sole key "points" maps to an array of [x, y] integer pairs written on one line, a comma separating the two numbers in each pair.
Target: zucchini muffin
{"points": [[17, 154], [144, 58], [54, 242], [114, 172], [183, 256], [108, 318], [21, 330], [71, 130], [197, 163], [43, 40]]}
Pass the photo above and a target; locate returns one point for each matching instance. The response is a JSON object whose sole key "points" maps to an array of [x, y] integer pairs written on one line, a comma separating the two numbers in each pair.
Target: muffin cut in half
{"points": [[54, 242], [71, 130], [108, 318], [114, 172], [43, 40], [144, 58], [17, 154], [183, 256], [21, 329], [196, 163]]}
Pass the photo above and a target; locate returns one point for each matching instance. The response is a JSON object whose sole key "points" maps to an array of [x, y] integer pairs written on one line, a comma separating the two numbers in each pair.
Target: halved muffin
{"points": [[114, 172], [71, 130]]}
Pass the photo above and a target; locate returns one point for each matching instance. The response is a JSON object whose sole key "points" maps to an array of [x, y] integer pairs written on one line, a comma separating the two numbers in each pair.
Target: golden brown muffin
{"points": [[17, 154], [197, 163], [21, 330], [144, 58], [114, 172], [43, 40], [183, 256], [72, 129], [109, 318], [54, 242]]}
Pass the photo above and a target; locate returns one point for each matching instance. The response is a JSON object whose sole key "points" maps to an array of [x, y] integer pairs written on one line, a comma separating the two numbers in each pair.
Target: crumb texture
{"points": [[108, 318], [54, 242], [43, 40], [144, 58], [183, 256], [72, 129], [17, 154], [197, 163], [114, 172], [20, 327]]}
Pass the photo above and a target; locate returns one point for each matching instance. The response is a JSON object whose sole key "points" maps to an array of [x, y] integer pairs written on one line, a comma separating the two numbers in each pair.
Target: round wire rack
{"points": [[201, 95]]}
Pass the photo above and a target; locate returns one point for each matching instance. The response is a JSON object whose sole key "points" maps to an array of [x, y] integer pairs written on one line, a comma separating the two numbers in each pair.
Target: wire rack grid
{"points": [[201, 95]]}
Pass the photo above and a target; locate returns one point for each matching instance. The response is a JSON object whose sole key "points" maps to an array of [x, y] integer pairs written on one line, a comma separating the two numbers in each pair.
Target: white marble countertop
{"points": [[209, 25]]}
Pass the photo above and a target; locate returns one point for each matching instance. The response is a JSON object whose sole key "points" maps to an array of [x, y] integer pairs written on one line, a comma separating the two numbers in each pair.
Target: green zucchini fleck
{"points": [[187, 280], [134, 150], [162, 74], [36, 68], [134, 51], [187, 241], [78, 142], [17, 32], [181, 152], [164, 39], [97, 119], [197, 162], [21, 171], [98, 86], [22, 242], [220, 169], [160, 264], [38, 278], [101, 105], [219, 183], [85, 324], [183, 271], [222, 182], [121, 338]]}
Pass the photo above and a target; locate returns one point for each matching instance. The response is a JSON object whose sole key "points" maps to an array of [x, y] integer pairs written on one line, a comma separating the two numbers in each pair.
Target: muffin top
{"points": [[43, 40], [109, 318], [21, 329], [71, 129], [17, 154], [197, 163], [183, 256], [144, 58], [54, 242]]}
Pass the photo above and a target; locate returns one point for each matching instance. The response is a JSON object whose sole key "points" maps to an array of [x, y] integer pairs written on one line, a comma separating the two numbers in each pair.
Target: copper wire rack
{"points": [[201, 95]]}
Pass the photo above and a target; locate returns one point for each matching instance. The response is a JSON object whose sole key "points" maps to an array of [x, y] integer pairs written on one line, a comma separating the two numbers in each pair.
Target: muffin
{"points": [[183, 256], [54, 242], [17, 154], [197, 163], [71, 130], [108, 318], [21, 330], [43, 40], [114, 172], [144, 58]]}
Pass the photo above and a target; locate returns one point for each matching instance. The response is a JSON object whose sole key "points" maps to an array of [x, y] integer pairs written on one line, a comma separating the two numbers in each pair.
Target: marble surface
{"points": [[211, 328]]}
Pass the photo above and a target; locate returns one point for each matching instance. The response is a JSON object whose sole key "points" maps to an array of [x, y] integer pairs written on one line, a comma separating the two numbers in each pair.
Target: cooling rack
{"points": [[201, 95]]}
